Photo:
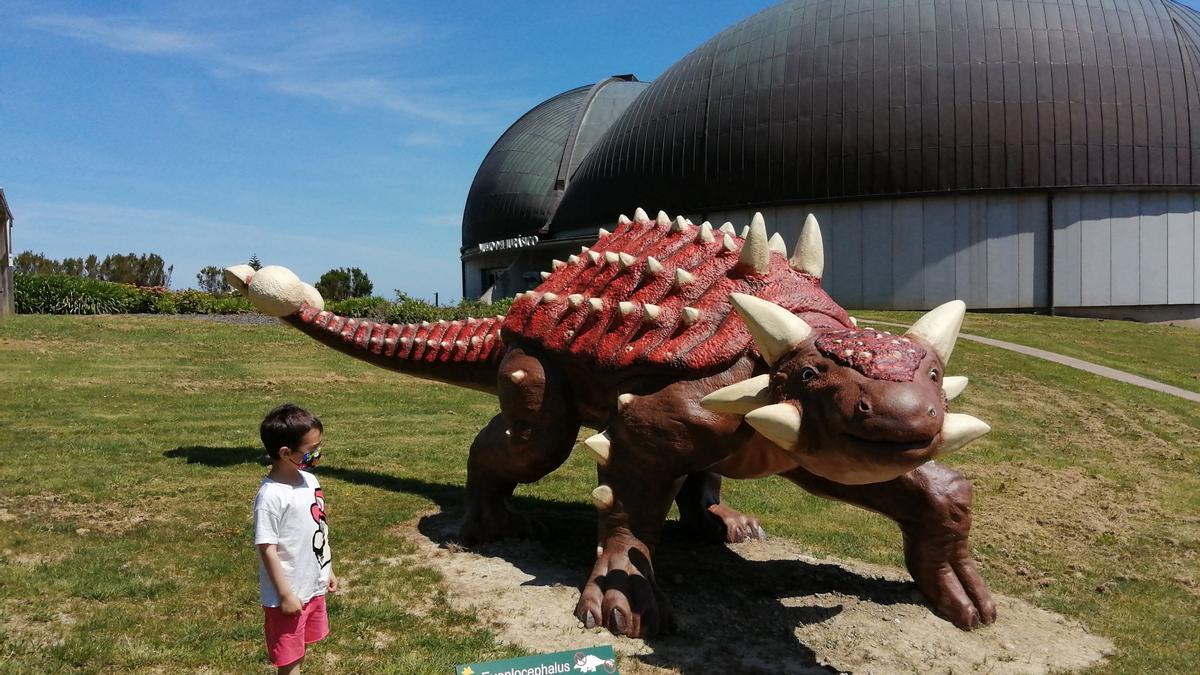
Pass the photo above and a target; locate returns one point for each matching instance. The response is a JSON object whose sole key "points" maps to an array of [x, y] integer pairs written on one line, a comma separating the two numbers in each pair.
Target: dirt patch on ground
{"points": [[759, 607], [105, 519]]}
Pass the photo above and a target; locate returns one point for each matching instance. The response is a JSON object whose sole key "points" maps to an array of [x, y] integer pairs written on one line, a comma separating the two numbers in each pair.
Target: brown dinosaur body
{"points": [[699, 355]]}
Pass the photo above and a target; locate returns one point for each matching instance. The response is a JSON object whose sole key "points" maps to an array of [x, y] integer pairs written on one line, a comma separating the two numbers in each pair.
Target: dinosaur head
{"points": [[854, 406]]}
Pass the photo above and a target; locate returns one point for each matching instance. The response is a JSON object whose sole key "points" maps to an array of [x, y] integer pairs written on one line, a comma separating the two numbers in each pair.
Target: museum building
{"points": [[1014, 154]]}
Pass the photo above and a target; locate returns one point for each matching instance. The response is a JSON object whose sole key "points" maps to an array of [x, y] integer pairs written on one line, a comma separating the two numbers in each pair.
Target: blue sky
{"points": [[312, 134]]}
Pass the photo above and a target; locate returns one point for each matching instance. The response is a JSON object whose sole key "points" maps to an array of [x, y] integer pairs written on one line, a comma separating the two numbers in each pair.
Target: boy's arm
{"points": [[289, 603]]}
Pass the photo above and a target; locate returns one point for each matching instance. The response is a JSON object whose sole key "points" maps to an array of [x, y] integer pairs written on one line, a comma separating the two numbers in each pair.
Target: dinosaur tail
{"points": [[465, 352]]}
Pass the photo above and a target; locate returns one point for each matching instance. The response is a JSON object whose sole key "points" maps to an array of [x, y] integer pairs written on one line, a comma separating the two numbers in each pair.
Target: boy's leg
{"points": [[291, 668]]}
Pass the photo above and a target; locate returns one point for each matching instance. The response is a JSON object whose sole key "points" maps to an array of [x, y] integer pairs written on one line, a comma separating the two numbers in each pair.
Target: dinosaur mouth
{"points": [[893, 450]]}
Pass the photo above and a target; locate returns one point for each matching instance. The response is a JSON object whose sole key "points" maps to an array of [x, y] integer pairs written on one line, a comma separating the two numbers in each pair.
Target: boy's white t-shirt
{"points": [[293, 518]]}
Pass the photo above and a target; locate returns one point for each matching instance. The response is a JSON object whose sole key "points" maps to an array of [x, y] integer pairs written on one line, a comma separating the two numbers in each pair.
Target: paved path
{"points": [[1086, 366]]}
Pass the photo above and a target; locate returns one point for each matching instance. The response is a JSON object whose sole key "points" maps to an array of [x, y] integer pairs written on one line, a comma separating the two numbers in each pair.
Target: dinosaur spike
{"points": [[727, 244], [953, 386], [499, 317], [775, 330], [476, 341], [549, 297], [583, 249], [680, 225], [756, 252], [611, 257], [575, 299], [596, 304], [626, 259], [683, 277], [727, 228], [663, 219], [573, 259], [777, 244], [624, 400], [557, 264], [706, 233], [600, 445], [604, 233], [745, 231], [545, 276], [640, 216], [602, 497], [626, 308], [652, 312], [690, 315], [623, 220], [740, 398], [958, 430], [594, 257], [854, 321], [779, 423], [939, 327], [809, 256], [652, 265]]}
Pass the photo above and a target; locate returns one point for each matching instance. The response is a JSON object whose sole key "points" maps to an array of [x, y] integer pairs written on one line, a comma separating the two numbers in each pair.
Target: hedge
{"points": [[59, 294]]}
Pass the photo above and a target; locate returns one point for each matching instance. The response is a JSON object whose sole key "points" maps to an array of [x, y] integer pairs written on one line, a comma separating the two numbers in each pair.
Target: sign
{"points": [[514, 242], [599, 660]]}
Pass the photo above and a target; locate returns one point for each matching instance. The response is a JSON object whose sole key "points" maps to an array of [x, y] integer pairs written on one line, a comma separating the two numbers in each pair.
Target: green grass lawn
{"points": [[130, 457], [1169, 354]]}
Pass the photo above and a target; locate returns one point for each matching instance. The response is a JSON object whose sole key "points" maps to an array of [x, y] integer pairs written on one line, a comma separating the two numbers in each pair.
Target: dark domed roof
{"points": [[827, 99], [522, 178]]}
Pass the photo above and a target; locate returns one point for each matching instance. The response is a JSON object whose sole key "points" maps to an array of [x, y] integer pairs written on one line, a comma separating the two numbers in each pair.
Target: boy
{"points": [[290, 530]]}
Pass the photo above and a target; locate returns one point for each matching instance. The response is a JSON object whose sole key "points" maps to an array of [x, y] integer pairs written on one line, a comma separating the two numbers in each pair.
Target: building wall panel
{"points": [[940, 255], [1181, 261], [1095, 249], [1001, 245], [1152, 261], [1124, 261], [908, 254], [1068, 249]]}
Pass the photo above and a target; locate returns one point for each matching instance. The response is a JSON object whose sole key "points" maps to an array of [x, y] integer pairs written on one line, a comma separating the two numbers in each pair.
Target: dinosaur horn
{"points": [[953, 386], [809, 256], [639, 215], [777, 244], [958, 430], [601, 446], [739, 398], [756, 252], [780, 423], [939, 327], [775, 330]]}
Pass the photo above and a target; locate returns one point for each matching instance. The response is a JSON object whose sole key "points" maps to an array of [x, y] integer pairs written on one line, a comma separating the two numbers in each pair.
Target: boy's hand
{"points": [[290, 604], [332, 586]]}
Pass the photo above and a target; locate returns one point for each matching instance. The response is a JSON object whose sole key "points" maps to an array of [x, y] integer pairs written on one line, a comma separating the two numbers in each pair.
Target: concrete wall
{"points": [[1126, 248], [988, 250], [7, 304]]}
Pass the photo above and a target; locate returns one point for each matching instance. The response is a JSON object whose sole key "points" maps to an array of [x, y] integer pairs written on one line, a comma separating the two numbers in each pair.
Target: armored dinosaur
{"points": [[699, 354]]}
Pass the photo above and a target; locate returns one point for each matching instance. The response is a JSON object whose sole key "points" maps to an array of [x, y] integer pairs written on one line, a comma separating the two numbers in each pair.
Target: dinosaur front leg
{"points": [[532, 436], [932, 505], [702, 512], [621, 593]]}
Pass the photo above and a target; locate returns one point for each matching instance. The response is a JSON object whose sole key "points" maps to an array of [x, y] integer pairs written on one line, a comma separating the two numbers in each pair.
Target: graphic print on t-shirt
{"points": [[320, 541]]}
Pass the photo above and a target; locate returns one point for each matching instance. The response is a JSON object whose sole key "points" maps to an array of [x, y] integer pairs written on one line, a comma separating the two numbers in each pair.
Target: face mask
{"points": [[309, 460]]}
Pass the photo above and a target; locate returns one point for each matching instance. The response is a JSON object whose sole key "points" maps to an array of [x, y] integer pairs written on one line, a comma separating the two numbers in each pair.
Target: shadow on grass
{"points": [[202, 454], [725, 604]]}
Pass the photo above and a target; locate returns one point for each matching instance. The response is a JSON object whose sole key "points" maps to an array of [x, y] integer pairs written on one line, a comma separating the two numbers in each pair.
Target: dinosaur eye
{"points": [[933, 374], [808, 373]]}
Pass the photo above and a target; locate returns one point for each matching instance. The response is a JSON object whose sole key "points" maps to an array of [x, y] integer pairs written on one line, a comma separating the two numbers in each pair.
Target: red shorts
{"points": [[287, 635]]}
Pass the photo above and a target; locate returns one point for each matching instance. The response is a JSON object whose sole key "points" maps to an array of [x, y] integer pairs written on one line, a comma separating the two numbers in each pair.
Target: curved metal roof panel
{"points": [[521, 180], [827, 99]]}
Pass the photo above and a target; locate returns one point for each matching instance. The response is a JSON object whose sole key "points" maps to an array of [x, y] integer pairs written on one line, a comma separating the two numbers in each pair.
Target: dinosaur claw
{"points": [[616, 621], [590, 620]]}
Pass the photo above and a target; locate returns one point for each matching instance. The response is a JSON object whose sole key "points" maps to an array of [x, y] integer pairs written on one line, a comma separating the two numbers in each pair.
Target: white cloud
{"points": [[331, 57]]}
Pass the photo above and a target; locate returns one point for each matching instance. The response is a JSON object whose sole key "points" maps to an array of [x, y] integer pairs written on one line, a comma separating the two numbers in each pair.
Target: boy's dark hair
{"points": [[285, 426]]}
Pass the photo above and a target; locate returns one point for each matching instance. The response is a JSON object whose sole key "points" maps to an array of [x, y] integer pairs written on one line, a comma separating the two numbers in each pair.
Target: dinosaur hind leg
{"points": [[706, 516], [532, 436]]}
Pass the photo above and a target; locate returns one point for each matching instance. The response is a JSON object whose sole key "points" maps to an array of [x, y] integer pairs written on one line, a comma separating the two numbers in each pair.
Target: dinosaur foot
{"points": [[482, 525], [948, 577], [621, 595], [721, 524]]}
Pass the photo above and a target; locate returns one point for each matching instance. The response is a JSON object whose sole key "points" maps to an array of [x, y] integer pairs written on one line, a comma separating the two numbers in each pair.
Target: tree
{"points": [[28, 262], [145, 270], [344, 282], [254, 263], [211, 279]]}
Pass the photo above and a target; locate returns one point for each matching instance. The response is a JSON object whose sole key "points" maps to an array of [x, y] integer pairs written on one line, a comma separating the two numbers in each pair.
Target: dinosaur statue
{"points": [[701, 355]]}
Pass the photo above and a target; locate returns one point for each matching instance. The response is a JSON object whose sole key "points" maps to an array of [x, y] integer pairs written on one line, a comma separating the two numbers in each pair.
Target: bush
{"points": [[59, 294], [412, 310]]}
